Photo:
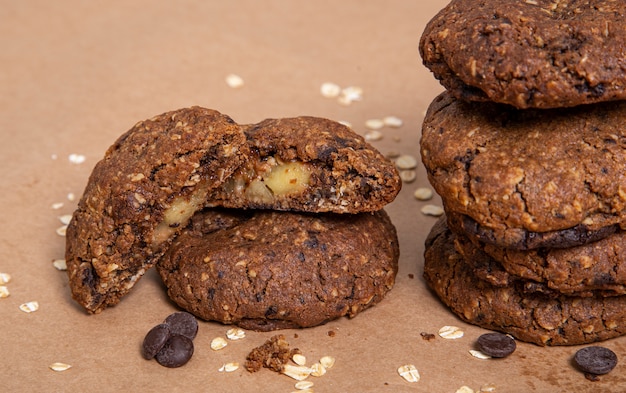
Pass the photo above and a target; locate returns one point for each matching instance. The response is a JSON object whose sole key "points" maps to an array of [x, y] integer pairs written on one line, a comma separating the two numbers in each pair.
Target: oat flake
{"points": [[235, 334], [234, 81], [60, 264], [393, 121], [451, 332], [330, 90], [432, 210], [61, 231], [57, 205], [5, 278], [423, 194], [409, 373], [65, 219], [59, 366], [4, 291], [374, 124], [29, 307], [76, 158], [478, 354], [218, 343]]}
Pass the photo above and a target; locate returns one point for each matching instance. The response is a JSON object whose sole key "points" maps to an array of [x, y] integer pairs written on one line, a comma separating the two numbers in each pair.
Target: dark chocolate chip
{"points": [[155, 340], [183, 323], [496, 345], [595, 360], [176, 352]]}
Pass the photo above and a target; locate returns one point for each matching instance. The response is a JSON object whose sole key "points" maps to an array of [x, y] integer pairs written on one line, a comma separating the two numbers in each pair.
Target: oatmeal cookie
{"points": [[268, 270], [524, 176], [531, 317], [147, 186], [540, 53], [309, 164]]}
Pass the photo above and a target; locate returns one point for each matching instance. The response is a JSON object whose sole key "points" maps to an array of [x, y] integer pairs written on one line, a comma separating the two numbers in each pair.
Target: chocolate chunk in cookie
{"points": [[541, 54], [528, 175], [543, 320], [267, 270]]}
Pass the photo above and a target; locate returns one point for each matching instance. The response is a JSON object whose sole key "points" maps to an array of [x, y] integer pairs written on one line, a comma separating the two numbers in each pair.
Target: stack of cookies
{"points": [[278, 224], [527, 149]]}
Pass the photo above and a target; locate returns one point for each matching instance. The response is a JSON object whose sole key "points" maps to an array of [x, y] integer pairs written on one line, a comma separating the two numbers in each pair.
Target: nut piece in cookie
{"points": [[141, 193], [529, 54], [268, 270], [310, 164]]}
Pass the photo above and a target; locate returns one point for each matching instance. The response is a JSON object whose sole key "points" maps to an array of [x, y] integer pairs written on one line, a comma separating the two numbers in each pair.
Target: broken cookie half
{"points": [[158, 174]]}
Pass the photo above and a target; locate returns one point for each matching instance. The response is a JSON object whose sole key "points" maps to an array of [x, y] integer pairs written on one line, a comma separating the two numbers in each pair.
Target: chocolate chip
{"points": [[155, 340], [183, 323], [595, 360], [496, 345], [176, 352]]}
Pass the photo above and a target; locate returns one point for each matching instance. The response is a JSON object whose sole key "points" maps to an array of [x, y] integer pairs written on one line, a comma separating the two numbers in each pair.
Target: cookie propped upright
{"points": [[163, 170], [148, 184]]}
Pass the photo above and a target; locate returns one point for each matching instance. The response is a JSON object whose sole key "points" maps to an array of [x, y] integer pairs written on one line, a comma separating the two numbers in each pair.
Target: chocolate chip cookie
{"points": [[532, 317], [528, 178], [539, 53], [145, 188], [268, 270]]}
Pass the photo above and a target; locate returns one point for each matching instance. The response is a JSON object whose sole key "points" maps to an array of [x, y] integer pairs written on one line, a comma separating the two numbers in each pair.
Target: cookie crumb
{"points": [[427, 336], [331, 333], [411, 276], [273, 354]]}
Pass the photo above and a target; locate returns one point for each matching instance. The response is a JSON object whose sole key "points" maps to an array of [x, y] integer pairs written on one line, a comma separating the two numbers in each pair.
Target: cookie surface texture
{"points": [[310, 164], [523, 174], [543, 320], [529, 54], [148, 184], [268, 270], [597, 268]]}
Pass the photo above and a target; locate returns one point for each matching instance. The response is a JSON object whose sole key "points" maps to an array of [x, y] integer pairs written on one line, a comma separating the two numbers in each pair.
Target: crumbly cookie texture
{"points": [[594, 269], [310, 164], [539, 53], [518, 172], [268, 270], [159, 173], [536, 318], [146, 187]]}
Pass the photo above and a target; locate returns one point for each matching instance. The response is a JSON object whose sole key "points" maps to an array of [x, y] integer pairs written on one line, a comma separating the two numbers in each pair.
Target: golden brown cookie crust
{"points": [[540, 53], [268, 270]]}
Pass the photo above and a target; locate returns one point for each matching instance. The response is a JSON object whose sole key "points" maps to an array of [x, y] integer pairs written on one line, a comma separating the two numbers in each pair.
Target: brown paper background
{"points": [[74, 75]]}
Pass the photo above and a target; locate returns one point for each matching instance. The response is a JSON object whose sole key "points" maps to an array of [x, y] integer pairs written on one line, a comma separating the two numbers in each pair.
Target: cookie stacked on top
{"points": [[278, 224], [527, 149]]}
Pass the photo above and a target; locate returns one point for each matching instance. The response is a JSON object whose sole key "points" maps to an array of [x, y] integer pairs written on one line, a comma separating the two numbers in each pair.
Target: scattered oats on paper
{"points": [[409, 373], [451, 332]]}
